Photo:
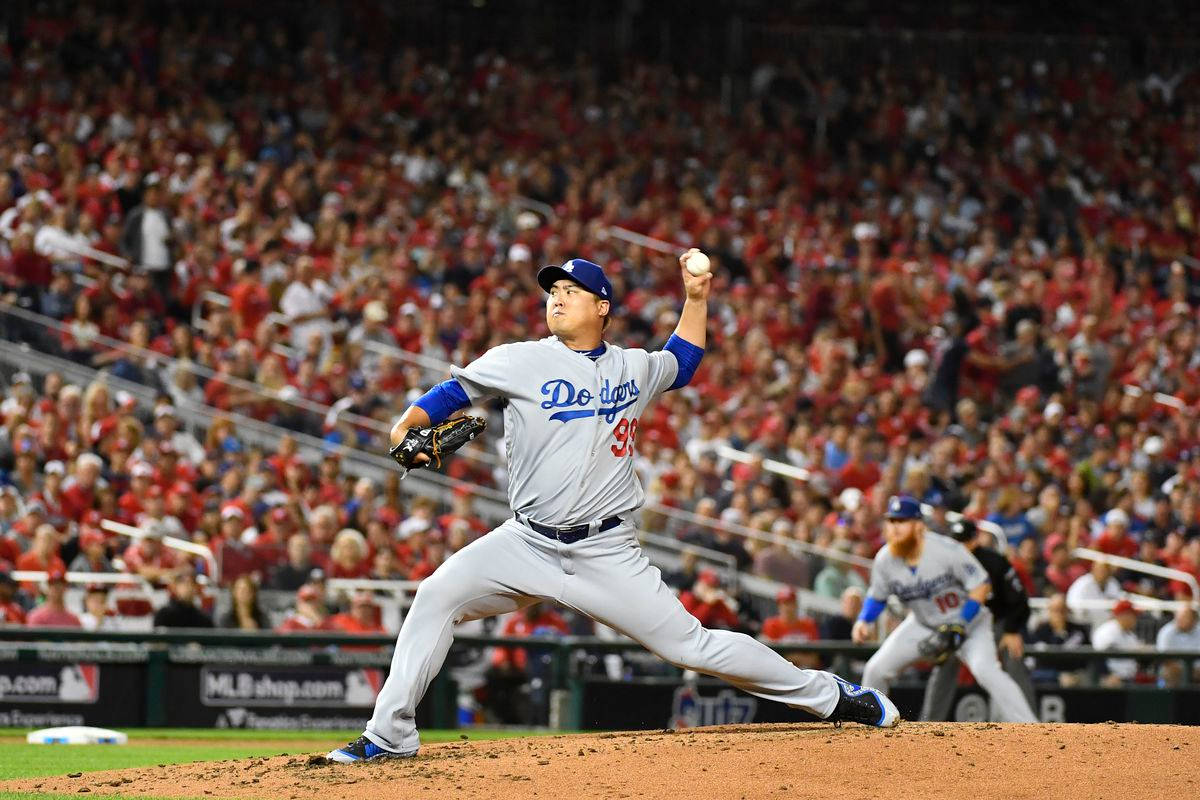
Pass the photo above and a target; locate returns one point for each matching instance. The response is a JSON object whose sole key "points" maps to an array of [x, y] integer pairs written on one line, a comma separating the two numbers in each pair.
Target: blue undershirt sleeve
{"points": [[688, 355], [871, 609], [443, 400]]}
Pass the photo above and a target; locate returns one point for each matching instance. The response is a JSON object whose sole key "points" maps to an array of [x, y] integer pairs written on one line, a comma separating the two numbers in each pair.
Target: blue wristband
{"points": [[871, 610], [970, 609]]}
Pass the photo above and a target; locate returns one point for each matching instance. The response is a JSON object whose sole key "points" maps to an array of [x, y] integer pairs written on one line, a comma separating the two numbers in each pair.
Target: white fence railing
{"points": [[171, 542], [1144, 567]]}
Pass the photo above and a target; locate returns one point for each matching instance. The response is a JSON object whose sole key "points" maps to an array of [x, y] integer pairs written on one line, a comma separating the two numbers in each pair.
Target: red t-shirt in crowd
{"points": [[31, 561], [135, 558], [711, 615], [296, 623], [11, 612], [519, 625], [349, 623], [44, 616], [804, 629], [861, 476]]}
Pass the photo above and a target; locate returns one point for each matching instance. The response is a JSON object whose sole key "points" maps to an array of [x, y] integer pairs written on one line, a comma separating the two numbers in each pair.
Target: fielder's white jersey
{"points": [[570, 424], [937, 587]]}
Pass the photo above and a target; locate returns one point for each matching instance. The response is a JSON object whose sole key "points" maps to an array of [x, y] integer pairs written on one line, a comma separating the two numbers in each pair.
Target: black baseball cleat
{"points": [[363, 749], [864, 705]]}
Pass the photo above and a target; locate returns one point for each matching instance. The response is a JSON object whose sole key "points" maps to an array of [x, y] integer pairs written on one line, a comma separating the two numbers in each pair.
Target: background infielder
{"points": [[572, 404], [942, 584], [1010, 611]]}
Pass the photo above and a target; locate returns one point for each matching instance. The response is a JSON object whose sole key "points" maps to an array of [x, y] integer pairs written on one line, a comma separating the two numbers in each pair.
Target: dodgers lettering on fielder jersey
{"points": [[575, 420], [936, 589]]}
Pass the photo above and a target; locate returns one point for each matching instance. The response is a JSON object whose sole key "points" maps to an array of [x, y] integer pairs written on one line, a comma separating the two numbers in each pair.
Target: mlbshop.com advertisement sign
{"points": [[35, 682], [310, 687]]}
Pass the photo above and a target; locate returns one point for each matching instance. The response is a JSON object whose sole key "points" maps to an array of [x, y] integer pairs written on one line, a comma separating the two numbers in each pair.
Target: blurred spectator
{"points": [[294, 574], [1057, 630], [789, 627], [305, 303], [97, 616], [1061, 570], [52, 612], [11, 612], [93, 551], [1098, 584], [348, 556], [778, 561], [435, 554], [708, 602], [43, 555], [245, 613], [181, 611], [837, 627], [685, 576], [1115, 539], [1181, 633], [535, 619], [1010, 516], [310, 613], [837, 576], [363, 616], [166, 428], [1118, 633], [147, 240], [148, 557], [386, 566]]}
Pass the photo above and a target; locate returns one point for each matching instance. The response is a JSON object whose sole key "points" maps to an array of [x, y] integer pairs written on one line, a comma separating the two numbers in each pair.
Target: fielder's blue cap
{"points": [[588, 275], [901, 506]]}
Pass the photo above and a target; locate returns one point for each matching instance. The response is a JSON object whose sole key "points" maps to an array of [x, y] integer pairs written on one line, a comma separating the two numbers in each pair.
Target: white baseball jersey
{"points": [[570, 424], [934, 590]]}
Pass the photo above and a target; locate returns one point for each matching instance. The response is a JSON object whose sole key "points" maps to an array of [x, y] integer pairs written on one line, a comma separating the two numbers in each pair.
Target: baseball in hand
{"points": [[697, 263]]}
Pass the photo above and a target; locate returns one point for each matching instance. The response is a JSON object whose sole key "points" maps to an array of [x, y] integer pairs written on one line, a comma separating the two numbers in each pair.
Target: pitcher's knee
{"points": [[686, 652], [437, 595]]}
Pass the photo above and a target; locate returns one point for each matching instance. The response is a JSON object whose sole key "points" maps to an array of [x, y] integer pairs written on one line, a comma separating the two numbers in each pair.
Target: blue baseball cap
{"points": [[901, 506], [588, 275]]}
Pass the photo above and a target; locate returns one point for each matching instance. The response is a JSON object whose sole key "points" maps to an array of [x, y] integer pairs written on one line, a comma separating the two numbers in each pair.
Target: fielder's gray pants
{"points": [[902, 648], [943, 681], [605, 576]]}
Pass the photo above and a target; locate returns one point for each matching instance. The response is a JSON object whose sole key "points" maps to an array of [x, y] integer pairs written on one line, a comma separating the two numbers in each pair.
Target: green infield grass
{"points": [[21, 760]]}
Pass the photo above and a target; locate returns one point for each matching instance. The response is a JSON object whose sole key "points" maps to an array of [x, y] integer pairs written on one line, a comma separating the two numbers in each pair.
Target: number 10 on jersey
{"points": [[624, 433], [946, 602]]}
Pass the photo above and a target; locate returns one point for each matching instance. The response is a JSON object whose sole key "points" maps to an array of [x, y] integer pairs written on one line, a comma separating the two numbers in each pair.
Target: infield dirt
{"points": [[921, 761]]}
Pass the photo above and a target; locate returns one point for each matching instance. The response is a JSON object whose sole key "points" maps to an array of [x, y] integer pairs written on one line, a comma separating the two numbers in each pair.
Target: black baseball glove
{"points": [[436, 441], [943, 642]]}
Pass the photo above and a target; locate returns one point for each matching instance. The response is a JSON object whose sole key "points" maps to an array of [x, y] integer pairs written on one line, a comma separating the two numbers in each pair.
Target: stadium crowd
{"points": [[968, 288]]}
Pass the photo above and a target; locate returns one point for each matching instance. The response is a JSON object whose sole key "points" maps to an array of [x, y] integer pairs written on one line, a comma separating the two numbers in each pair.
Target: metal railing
{"points": [[171, 542], [1144, 567], [744, 532], [114, 578], [198, 370]]}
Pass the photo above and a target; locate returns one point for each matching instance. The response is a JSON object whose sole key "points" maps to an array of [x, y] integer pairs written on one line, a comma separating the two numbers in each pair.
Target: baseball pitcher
{"points": [[572, 404], [1010, 610], [945, 588]]}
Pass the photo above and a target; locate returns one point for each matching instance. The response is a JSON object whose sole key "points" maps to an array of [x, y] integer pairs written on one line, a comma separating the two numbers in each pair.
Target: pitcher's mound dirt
{"points": [[919, 761]]}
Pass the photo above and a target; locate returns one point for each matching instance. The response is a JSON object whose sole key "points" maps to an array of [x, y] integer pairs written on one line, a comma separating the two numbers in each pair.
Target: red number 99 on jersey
{"points": [[624, 433]]}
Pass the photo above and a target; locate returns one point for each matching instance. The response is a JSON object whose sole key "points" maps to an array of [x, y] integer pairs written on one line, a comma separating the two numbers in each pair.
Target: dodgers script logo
{"points": [[562, 393]]}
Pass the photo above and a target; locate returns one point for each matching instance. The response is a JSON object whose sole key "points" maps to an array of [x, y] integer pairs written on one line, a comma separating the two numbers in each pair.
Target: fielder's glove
{"points": [[943, 642], [436, 441]]}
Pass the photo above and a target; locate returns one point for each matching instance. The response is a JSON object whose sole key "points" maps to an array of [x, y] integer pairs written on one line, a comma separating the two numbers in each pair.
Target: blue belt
{"points": [[569, 535]]}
